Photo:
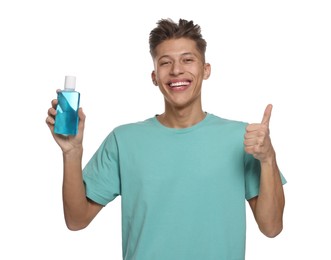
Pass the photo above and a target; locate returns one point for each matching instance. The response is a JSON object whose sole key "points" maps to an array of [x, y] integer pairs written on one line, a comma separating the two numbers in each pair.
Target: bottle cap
{"points": [[70, 83]]}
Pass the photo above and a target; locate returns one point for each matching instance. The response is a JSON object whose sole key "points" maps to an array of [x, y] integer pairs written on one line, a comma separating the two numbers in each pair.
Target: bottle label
{"points": [[66, 120]]}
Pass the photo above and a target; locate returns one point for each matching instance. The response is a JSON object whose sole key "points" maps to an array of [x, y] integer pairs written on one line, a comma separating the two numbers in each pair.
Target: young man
{"points": [[183, 175]]}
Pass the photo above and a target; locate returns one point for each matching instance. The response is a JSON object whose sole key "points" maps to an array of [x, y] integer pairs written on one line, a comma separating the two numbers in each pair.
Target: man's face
{"points": [[179, 71]]}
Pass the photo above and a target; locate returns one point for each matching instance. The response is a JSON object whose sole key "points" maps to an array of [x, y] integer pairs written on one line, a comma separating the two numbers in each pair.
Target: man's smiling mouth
{"points": [[179, 84]]}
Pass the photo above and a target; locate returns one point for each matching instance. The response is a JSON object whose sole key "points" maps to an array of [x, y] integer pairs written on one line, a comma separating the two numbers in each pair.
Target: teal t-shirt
{"points": [[182, 191]]}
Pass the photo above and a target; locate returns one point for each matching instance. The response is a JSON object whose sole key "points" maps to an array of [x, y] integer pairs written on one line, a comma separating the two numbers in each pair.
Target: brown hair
{"points": [[167, 29]]}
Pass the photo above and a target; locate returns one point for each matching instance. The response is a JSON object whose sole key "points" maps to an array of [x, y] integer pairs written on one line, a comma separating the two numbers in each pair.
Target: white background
{"points": [[261, 52]]}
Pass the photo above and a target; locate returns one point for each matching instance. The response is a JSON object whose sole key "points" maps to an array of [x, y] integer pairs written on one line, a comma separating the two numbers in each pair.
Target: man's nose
{"points": [[177, 68]]}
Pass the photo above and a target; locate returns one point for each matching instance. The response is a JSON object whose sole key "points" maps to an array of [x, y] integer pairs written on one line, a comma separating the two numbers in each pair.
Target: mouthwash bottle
{"points": [[66, 119]]}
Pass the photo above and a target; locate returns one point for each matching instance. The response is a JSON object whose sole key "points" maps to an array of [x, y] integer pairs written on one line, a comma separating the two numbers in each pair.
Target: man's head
{"points": [[178, 52], [167, 29]]}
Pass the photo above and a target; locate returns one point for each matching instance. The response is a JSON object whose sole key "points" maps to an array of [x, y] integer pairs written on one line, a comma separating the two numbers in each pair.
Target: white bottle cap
{"points": [[70, 83]]}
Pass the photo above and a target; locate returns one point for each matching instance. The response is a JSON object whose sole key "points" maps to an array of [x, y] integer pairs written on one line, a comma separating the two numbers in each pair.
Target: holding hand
{"points": [[66, 143], [257, 138]]}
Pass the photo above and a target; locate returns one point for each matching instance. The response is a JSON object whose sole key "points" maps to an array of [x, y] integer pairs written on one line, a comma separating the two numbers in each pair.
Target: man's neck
{"points": [[181, 118]]}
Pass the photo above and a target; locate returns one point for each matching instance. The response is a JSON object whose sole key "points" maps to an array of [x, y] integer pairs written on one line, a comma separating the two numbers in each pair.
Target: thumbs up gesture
{"points": [[257, 139]]}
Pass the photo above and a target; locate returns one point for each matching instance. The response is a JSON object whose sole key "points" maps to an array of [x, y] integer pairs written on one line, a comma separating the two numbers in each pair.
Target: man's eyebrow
{"points": [[182, 54], [188, 53], [164, 56]]}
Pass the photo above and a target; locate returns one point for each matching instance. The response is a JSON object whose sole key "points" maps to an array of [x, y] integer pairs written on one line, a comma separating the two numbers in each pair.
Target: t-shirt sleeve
{"points": [[252, 176], [101, 174]]}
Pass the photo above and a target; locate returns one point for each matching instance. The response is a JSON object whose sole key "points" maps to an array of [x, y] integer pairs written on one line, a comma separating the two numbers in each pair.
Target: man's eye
{"points": [[164, 63], [188, 60]]}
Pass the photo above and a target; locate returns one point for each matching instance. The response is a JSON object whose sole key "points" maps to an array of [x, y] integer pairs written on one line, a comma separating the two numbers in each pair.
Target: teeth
{"points": [[179, 84]]}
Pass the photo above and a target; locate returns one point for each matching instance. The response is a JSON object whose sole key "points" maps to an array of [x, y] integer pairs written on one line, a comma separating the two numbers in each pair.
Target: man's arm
{"points": [[268, 206], [78, 210]]}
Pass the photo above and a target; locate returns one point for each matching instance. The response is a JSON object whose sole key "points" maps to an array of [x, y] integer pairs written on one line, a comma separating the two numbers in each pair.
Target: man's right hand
{"points": [[70, 143]]}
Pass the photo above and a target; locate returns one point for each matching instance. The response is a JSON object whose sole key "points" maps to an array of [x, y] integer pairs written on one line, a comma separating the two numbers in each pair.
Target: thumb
{"points": [[267, 115], [82, 117]]}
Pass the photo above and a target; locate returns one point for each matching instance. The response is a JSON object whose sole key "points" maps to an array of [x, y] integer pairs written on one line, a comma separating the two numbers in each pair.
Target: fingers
{"points": [[256, 143], [267, 115], [255, 135], [54, 103], [50, 120]]}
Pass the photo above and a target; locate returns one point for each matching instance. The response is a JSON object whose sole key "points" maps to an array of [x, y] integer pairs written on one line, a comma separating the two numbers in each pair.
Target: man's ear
{"points": [[154, 78], [207, 71]]}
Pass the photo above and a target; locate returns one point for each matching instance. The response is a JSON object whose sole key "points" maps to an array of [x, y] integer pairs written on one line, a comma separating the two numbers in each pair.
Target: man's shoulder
{"points": [[221, 121], [134, 126]]}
